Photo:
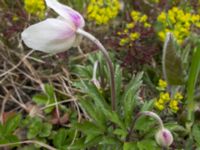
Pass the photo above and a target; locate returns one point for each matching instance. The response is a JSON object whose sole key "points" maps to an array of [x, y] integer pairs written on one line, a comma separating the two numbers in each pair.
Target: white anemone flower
{"points": [[55, 35]]}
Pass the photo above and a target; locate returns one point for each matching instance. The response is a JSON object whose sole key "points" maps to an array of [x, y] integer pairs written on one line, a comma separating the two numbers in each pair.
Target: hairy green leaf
{"points": [[130, 96], [171, 63]]}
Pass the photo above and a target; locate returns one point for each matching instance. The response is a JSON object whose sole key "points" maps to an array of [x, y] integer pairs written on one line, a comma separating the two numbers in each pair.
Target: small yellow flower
{"points": [[134, 36], [174, 105], [119, 33], [178, 96], [162, 17], [159, 106], [143, 18], [123, 41], [126, 31], [161, 101], [165, 96], [15, 18], [175, 9], [195, 18], [198, 24], [171, 16], [162, 84], [162, 35], [130, 25], [147, 25], [135, 15]]}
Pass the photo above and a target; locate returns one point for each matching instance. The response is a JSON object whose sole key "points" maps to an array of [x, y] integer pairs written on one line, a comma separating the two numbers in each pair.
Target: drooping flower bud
{"points": [[164, 137]]}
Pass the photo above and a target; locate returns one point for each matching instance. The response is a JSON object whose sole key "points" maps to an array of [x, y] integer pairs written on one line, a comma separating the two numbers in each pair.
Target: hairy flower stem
{"points": [[145, 113], [108, 60]]}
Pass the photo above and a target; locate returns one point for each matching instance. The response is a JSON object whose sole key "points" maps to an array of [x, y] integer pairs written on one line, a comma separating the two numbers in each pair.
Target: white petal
{"points": [[66, 12], [50, 36], [78, 36]]}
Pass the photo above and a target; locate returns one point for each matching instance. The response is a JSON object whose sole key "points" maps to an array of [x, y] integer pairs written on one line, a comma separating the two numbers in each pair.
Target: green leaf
{"points": [[174, 126], [91, 90], [93, 112], [108, 140], [192, 80], [40, 99], [45, 130], [113, 117], [120, 132], [141, 145], [88, 128], [148, 105], [80, 144], [93, 142], [83, 71], [6, 139], [196, 133], [143, 122], [118, 82], [130, 96], [171, 63], [60, 138], [1, 130], [147, 145], [34, 128], [11, 124], [49, 90], [130, 146], [46, 98]]}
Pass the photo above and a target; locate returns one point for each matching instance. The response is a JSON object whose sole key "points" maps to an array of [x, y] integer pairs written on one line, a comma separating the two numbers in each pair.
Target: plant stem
{"points": [[145, 113], [108, 60]]}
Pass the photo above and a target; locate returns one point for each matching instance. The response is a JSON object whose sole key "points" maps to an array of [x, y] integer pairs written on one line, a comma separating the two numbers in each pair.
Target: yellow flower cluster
{"points": [[164, 100], [162, 84], [177, 22], [35, 7], [102, 11], [129, 36], [138, 17]]}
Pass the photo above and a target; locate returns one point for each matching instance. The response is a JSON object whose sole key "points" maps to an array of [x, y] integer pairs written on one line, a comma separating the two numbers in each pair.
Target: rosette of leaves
{"points": [[103, 128]]}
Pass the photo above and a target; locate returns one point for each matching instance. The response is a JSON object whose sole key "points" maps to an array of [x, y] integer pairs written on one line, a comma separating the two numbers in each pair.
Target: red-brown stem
{"points": [[108, 60]]}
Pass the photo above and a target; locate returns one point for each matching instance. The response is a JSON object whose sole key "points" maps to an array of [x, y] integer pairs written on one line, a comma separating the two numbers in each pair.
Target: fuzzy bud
{"points": [[164, 137]]}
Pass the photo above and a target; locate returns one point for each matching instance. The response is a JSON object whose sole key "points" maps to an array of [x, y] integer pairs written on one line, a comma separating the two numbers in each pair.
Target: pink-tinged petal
{"points": [[66, 12], [50, 36]]}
